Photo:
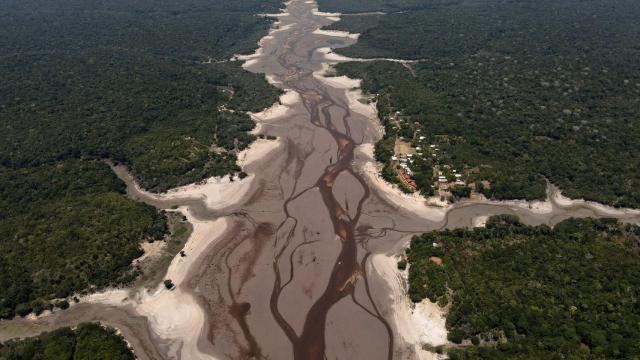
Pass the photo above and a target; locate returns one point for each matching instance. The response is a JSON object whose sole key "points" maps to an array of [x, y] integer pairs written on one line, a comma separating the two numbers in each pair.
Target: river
{"points": [[290, 274]]}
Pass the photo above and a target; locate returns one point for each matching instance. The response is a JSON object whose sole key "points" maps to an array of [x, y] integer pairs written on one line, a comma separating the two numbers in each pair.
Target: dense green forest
{"points": [[522, 292], [127, 81], [65, 228], [88, 341], [519, 91], [386, 6], [146, 83]]}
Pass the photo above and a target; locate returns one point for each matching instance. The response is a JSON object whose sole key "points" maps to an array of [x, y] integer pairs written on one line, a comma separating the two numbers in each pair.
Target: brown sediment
{"points": [[288, 278]]}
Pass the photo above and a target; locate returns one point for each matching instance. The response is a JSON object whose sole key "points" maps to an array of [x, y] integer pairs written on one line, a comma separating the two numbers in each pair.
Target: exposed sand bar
{"points": [[298, 260], [337, 33]]}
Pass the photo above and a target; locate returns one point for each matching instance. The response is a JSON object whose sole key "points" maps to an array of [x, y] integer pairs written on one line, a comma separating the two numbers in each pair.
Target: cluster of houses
{"points": [[418, 149], [444, 183], [404, 170], [447, 177]]}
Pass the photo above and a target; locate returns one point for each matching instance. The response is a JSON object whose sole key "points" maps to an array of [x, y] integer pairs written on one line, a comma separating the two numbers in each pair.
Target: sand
{"points": [[278, 110], [216, 192], [479, 221], [333, 15], [258, 150], [337, 33], [181, 318], [536, 206], [415, 326], [173, 315], [556, 197], [332, 57], [414, 203]]}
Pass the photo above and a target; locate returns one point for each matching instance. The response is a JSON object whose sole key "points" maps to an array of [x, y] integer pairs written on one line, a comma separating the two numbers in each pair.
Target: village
{"points": [[418, 159]]}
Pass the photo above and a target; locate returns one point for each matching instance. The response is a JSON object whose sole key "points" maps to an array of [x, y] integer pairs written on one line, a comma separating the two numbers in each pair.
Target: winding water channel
{"points": [[291, 276]]}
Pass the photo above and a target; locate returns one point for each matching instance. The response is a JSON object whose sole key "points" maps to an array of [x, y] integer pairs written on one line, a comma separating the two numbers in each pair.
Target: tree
{"points": [[169, 284]]}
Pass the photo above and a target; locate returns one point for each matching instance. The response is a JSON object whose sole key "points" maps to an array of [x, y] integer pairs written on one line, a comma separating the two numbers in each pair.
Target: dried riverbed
{"points": [[295, 261]]}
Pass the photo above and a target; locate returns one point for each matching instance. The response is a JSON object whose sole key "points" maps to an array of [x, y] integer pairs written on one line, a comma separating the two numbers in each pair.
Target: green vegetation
{"points": [[67, 228], [524, 292], [127, 81], [88, 341], [169, 284], [145, 83], [517, 91], [152, 271], [388, 6]]}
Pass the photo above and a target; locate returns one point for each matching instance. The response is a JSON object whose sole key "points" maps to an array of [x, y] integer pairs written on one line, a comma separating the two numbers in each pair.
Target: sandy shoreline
{"points": [[337, 33], [416, 324], [425, 322], [175, 315], [365, 152], [180, 318]]}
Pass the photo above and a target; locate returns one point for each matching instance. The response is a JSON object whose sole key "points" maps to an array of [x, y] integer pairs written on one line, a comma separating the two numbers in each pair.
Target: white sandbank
{"points": [[563, 201], [317, 12], [479, 221], [353, 93], [250, 59], [215, 192], [415, 326], [258, 150], [331, 56], [278, 110], [370, 168], [175, 314], [337, 33], [535, 207]]}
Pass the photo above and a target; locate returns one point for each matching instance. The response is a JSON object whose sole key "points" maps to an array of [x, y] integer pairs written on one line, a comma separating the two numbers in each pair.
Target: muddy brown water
{"points": [[289, 279]]}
